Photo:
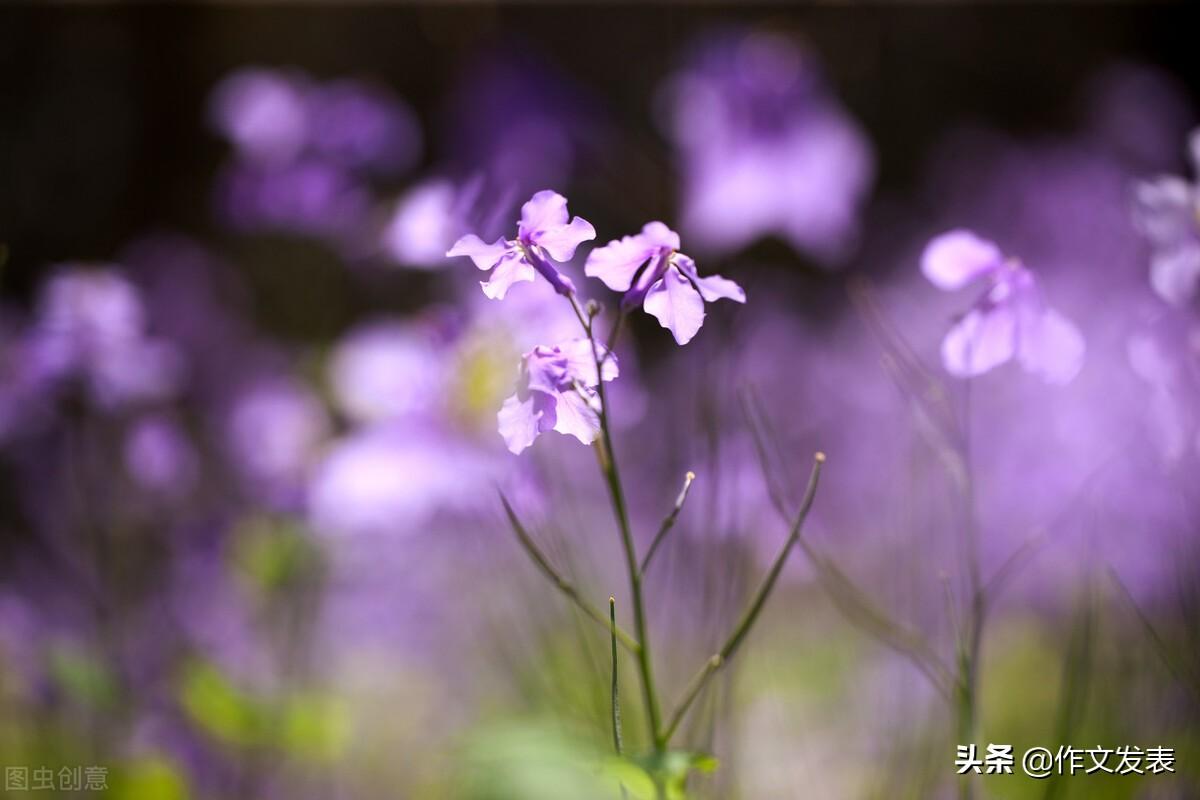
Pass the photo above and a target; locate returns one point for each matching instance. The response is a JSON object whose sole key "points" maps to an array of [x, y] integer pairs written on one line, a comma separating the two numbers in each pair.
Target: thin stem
{"points": [[564, 585], [851, 601], [616, 697], [968, 663], [612, 477], [750, 616], [669, 521]]}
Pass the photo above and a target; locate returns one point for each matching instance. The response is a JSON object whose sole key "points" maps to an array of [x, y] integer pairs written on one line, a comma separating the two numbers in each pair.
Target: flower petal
{"points": [[581, 361], [560, 241], [576, 417], [545, 210], [1052, 347], [1163, 210], [618, 261], [511, 269], [517, 422], [677, 305], [956, 258], [1175, 272], [712, 288], [483, 254], [981, 340], [657, 234]]}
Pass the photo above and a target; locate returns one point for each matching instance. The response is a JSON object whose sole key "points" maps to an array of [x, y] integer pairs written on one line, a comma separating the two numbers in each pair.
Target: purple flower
{"points": [[555, 391], [363, 126], [651, 271], [1167, 212], [274, 429], [543, 233], [159, 457], [386, 370], [263, 113], [391, 479], [765, 148], [91, 325], [1010, 319]]}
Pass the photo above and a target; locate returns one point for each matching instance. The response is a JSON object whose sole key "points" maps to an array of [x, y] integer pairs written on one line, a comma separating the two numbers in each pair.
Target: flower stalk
{"points": [[750, 615]]}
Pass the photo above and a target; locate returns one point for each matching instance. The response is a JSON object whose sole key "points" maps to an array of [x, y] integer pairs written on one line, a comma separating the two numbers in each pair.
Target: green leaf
{"points": [[148, 779], [219, 707], [674, 767], [273, 554], [315, 727], [83, 676]]}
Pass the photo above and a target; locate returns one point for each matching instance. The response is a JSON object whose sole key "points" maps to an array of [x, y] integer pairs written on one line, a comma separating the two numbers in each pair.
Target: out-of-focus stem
{"points": [[968, 662], [849, 599], [750, 615], [561, 583], [669, 521]]}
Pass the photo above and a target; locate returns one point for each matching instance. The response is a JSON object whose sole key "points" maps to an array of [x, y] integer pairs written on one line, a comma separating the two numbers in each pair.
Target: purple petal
{"points": [[511, 269], [575, 417], [1163, 210], [981, 340], [676, 304], [618, 261], [546, 209], [954, 259], [1052, 347], [1174, 273], [712, 288], [560, 241], [518, 422], [657, 234], [483, 254], [581, 361]]}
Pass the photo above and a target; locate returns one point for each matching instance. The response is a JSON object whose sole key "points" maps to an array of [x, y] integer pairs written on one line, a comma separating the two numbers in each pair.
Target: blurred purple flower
{"points": [[1167, 212], [543, 234], [765, 149], [273, 430], [91, 325], [1010, 319], [422, 225], [557, 127], [159, 457], [390, 479], [307, 196], [274, 117], [669, 288], [263, 113], [1173, 380], [362, 126], [386, 370], [555, 391]]}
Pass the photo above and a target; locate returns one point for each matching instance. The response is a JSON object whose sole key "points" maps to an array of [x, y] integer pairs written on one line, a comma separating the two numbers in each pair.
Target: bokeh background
{"points": [[250, 541]]}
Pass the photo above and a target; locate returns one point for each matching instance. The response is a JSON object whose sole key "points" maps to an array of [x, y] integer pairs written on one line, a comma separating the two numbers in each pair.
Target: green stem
{"points": [[608, 466], [562, 584], [612, 477], [750, 616], [669, 521], [616, 697]]}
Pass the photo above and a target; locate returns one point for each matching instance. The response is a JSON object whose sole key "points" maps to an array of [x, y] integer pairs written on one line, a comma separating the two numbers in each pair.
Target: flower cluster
{"points": [[667, 284], [544, 235], [556, 391], [557, 383], [1010, 319], [1167, 211]]}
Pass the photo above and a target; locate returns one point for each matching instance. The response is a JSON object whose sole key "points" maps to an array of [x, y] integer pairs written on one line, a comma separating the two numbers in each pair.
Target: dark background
{"points": [[103, 136]]}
